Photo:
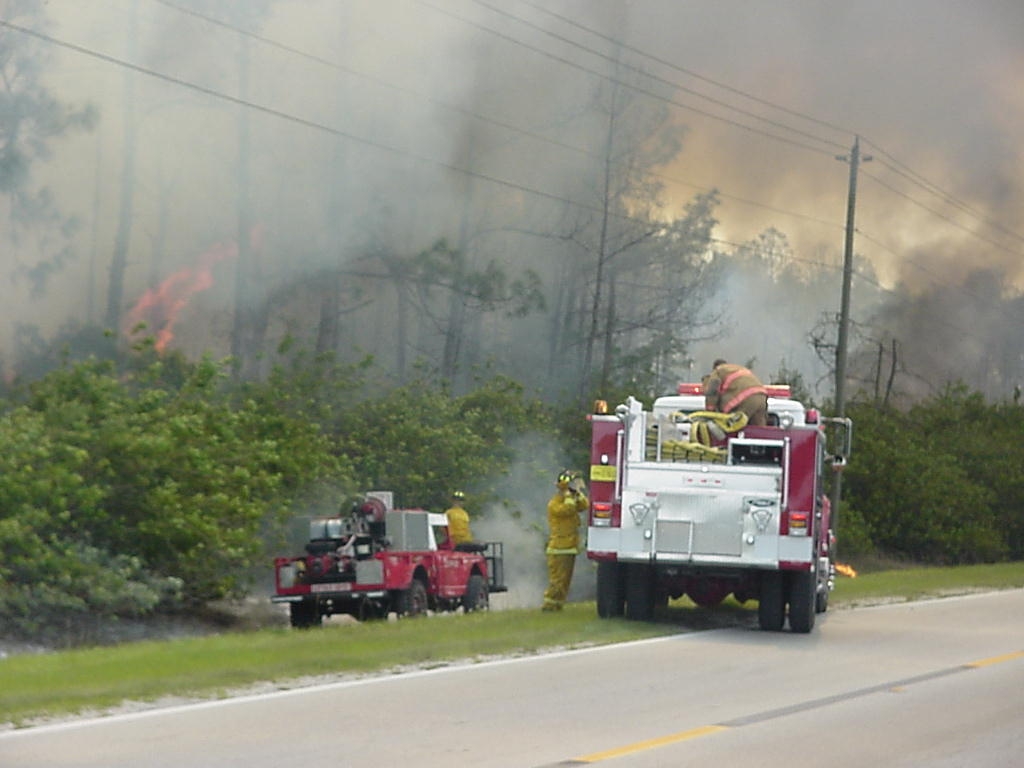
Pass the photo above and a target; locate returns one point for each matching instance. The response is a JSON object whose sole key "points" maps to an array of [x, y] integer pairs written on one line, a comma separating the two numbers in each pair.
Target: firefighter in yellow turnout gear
{"points": [[563, 537], [458, 520]]}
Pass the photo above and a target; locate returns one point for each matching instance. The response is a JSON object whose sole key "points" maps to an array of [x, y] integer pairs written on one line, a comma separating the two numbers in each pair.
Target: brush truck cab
{"points": [[679, 509], [379, 560]]}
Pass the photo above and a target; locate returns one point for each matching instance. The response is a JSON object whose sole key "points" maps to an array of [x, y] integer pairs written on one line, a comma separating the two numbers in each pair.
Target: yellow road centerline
{"points": [[641, 746], [895, 686], [996, 659]]}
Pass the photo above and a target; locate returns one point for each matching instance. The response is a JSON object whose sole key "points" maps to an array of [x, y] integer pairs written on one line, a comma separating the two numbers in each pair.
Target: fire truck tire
{"points": [[803, 588], [771, 605], [476, 597], [611, 591], [305, 614], [639, 593], [412, 602]]}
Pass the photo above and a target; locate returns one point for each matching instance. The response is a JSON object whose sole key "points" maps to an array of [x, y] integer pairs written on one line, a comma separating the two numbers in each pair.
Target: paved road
{"points": [[934, 683]]}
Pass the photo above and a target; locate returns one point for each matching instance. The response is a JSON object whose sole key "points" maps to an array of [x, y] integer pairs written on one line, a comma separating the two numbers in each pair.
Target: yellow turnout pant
{"points": [[560, 569]]}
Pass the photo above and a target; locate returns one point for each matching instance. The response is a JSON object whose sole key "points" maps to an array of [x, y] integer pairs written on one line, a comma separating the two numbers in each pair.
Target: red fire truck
{"points": [[678, 508], [377, 559]]}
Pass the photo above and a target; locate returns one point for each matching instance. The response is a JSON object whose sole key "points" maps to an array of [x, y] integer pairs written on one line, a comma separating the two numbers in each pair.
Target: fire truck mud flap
{"points": [[771, 607], [611, 589]]}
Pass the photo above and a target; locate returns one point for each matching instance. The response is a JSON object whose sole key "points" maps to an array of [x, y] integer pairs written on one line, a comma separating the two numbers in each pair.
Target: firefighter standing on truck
{"points": [[458, 520], [563, 537], [732, 388]]}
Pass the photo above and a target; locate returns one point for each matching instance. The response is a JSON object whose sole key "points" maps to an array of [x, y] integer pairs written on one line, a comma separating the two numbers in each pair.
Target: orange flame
{"points": [[846, 570], [160, 307]]}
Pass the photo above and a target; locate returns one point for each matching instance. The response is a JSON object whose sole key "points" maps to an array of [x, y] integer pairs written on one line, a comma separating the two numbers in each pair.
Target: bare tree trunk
{"points": [[119, 260], [878, 372], [892, 375], [328, 329], [330, 309], [160, 239], [609, 333], [242, 342], [453, 357], [402, 331], [456, 315], [595, 310], [561, 314], [94, 251]]}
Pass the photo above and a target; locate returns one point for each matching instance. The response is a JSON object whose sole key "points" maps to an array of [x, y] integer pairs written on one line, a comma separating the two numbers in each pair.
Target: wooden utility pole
{"points": [[854, 159]]}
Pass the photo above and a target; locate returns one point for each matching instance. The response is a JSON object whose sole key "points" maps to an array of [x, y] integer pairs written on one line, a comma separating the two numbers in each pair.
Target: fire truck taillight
{"points": [[797, 523], [602, 513]]}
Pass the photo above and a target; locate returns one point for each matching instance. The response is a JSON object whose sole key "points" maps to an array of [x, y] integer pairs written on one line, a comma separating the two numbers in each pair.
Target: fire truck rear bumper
{"points": [[333, 595], [766, 552]]}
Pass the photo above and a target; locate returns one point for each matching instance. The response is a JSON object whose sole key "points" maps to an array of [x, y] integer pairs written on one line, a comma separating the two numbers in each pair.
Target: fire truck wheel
{"points": [[305, 615], [803, 588], [771, 606], [611, 594], [639, 593], [476, 597], [412, 601]]}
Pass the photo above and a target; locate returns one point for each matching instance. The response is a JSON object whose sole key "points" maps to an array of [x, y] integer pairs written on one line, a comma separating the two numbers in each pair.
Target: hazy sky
{"points": [[935, 89]]}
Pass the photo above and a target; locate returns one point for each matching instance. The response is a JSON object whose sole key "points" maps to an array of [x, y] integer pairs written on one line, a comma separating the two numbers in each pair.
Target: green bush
{"points": [[853, 536], [924, 484], [119, 495]]}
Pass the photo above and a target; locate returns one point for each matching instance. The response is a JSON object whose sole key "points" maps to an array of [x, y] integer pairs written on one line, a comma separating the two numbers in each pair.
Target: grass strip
{"points": [[35, 686]]}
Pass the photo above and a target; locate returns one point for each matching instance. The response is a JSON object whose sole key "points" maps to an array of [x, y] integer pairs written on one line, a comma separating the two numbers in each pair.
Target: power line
{"points": [[630, 86], [467, 112], [651, 76], [894, 165], [515, 129], [343, 134], [372, 78], [677, 68], [942, 216], [901, 169], [308, 123]]}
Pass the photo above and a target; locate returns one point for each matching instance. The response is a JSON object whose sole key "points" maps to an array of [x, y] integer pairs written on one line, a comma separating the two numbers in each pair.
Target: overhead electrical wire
{"points": [[384, 147], [940, 215], [677, 68], [470, 113], [622, 83], [908, 173], [894, 165], [901, 169], [656, 78], [305, 122], [564, 145], [344, 134]]}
